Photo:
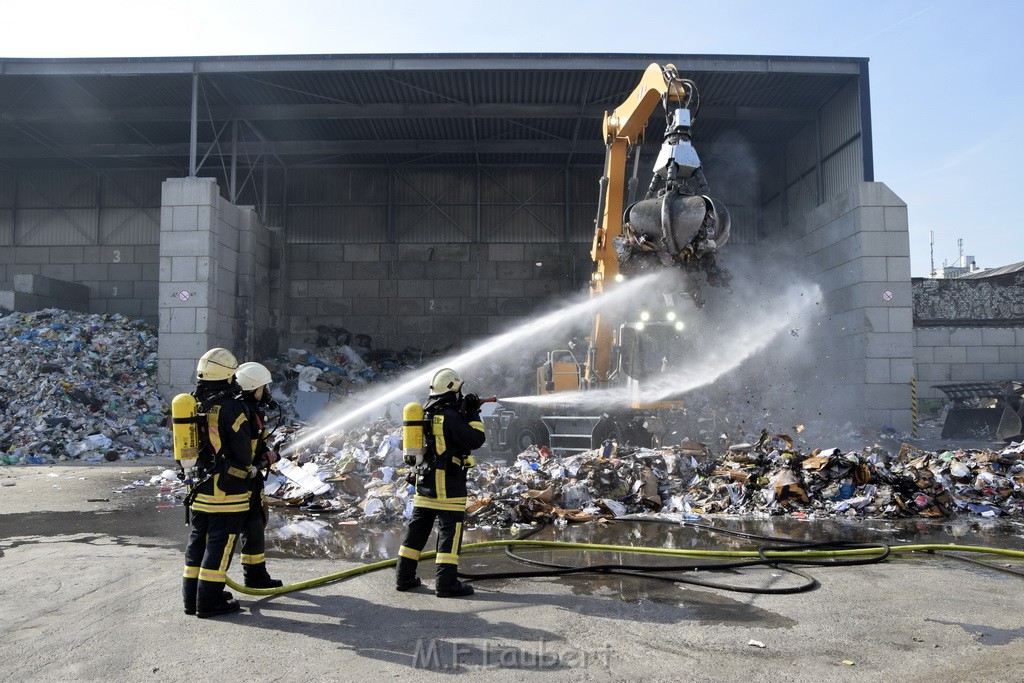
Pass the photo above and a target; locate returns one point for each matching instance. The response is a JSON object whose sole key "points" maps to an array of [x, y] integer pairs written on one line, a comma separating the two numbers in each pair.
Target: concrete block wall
{"points": [[968, 330], [425, 296], [35, 292], [120, 278], [209, 270], [858, 248], [944, 355]]}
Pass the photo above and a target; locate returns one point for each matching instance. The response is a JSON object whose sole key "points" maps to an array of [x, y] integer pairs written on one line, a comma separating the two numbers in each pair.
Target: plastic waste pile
{"points": [[337, 369], [80, 387]]}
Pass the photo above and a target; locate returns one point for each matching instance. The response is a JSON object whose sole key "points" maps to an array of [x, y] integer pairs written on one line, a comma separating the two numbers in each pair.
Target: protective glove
{"points": [[471, 405], [271, 457]]}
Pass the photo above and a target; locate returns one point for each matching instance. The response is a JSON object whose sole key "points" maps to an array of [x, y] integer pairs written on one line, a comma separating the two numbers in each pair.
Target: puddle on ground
{"points": [[139, 527], [986, 635], [297, 534]]}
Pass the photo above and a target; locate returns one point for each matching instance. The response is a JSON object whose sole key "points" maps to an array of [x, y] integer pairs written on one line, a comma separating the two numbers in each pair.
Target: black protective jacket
{"points": [[452, 436], [227, 450]]}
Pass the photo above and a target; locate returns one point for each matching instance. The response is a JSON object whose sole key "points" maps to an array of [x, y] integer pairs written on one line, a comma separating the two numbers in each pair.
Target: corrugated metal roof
{"points": [[994, 272], [367, 109]]}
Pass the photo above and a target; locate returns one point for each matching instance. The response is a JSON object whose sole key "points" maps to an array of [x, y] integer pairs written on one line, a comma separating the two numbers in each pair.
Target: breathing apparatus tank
{"points": [[185, 430], [413, 442]]}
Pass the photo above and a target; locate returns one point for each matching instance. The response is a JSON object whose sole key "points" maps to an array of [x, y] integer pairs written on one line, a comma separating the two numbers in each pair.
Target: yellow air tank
{"points": [[185, 430], [412, 434]]}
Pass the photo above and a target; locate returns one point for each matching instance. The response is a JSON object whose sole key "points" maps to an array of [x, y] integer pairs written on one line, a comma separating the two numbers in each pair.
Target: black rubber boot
{"points": [[405, 575], [257, 576], [448, 584], [212, 600], [189, 587]]}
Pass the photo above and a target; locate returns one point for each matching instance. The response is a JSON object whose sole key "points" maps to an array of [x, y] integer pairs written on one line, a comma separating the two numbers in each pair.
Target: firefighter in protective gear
{"points": [[253, 381], [219, 496], [452, 429]]}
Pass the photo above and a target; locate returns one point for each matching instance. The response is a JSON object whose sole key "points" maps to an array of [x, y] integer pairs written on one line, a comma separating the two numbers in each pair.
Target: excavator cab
{"points": [[650, 350], [560, 372]]}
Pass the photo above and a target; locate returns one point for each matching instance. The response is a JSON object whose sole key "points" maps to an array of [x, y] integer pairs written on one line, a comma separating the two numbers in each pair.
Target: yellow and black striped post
{"points": [[913, 407]]}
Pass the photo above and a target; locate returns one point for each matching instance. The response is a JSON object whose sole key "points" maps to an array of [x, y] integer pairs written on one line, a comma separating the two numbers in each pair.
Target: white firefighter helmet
{"points": [[252, 376], [216, 364], [445, 380]]}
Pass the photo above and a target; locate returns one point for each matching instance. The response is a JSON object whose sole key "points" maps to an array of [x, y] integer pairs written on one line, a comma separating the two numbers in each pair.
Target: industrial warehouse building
{"points": [[423, 200]]}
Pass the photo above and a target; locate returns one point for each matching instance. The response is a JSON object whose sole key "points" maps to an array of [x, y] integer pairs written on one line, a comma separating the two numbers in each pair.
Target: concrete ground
{"points": [[90, 590]]}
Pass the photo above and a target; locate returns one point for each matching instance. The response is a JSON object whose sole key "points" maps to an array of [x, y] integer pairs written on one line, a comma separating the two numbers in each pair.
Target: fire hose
{"points": [[819, 553]]}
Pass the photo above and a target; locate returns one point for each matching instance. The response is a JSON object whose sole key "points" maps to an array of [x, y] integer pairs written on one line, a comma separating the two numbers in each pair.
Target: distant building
{"points": [[966, 265]]}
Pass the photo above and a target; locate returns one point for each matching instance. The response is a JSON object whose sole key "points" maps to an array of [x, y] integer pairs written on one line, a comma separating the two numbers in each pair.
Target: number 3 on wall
{"points": [[117, 256]]}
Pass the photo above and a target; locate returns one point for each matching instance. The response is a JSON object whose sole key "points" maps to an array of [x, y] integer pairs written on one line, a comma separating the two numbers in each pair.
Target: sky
{"points": [[947, 88]]}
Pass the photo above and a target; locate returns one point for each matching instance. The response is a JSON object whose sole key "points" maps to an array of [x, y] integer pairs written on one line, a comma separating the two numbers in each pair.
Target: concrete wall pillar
{"points": [[213, 280], [858, 247]]}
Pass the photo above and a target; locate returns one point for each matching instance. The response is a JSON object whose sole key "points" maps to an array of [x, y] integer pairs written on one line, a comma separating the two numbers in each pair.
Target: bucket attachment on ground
{"points": [[999, 420]]}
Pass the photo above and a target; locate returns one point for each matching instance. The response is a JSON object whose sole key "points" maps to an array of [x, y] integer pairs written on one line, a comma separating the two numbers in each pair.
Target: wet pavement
{"points": [[91, 591]]}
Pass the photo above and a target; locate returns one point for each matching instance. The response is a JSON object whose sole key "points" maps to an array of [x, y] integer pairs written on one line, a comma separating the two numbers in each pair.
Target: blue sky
{"points": [[947, 88]]}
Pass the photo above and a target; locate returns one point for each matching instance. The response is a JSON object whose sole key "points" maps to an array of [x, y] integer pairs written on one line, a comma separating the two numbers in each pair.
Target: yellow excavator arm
{"points": [[677, 223]]}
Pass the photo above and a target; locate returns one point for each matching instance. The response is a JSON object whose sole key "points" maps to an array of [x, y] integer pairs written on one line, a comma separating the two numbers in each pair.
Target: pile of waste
{"points": [[79, 386], [360, 475]]}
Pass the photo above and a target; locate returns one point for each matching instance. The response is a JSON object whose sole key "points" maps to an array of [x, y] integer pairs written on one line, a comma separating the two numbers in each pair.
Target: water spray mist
{"points": [[359, 407]]}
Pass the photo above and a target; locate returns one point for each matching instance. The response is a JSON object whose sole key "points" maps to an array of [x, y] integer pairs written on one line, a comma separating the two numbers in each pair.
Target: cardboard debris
{"points": [[766, 476]]}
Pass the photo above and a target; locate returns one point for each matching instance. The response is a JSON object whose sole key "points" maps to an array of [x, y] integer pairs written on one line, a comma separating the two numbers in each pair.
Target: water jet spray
{"points": [[360, 406]]}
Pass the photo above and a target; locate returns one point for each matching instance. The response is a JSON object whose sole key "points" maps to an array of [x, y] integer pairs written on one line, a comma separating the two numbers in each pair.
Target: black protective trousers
{"points": [[208, 553], [449, 535]]}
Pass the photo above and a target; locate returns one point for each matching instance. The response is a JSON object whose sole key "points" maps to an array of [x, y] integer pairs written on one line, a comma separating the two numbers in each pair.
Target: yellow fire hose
{"points": [[789, 555]]}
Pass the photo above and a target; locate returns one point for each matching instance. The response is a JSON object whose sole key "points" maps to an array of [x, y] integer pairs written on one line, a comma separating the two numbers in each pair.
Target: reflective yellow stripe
{"points": [[446, 558], [409, 553], [457, 543], [448, 504], [213, 427], [254, 559], [220, 501], [437, 426], [191, 572], [442, 491], [225, 559], [240, 474], [219, 505], [221, 509], [238, 423], [475, 424], [223, 498], [213, 575]]}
